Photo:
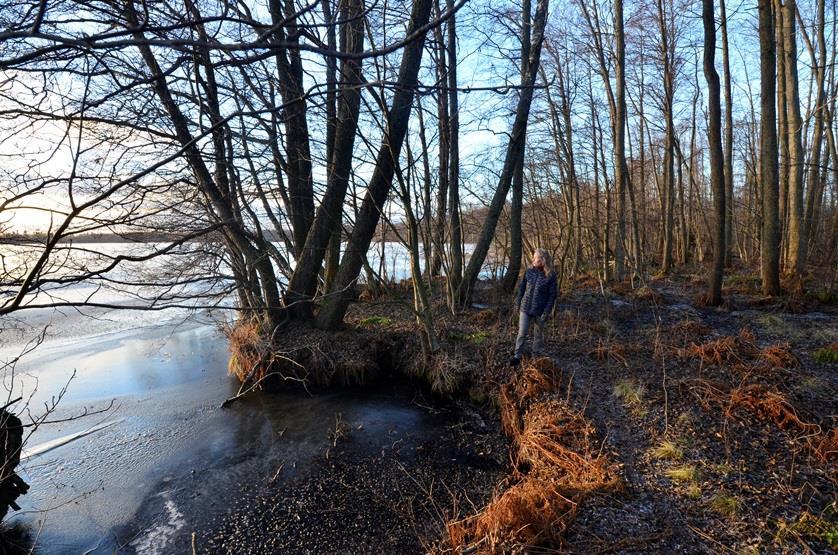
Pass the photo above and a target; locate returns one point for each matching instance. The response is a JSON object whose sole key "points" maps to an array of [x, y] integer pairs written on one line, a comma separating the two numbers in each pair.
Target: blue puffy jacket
{"points": [[537, 292]]}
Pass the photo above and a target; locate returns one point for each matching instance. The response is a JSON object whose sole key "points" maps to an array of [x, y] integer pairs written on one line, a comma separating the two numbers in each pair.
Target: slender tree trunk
{"points": [[456, 270], [783, 134], [669, 141], [728, 131], [813, 178], [620, 167], [714, 292], [516, 209], [768, 153], [796, 238], [441, 236]]}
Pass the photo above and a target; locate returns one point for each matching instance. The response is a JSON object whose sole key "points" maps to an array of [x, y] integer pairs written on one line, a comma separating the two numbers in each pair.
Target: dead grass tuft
{"points": [[724, 505], [555, 467], [540, 376], [249, 350], [445, 372], [510, 418], [485, 318], [779, 356], [668, 450], [756, 398], [770, 405], [726, 350], [555, 443], [529, 513], [610, 352]]}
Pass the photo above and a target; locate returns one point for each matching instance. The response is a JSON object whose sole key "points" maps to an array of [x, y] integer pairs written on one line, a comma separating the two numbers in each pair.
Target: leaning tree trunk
{"points": [[334, 307], [513, 152], [515, 241]]}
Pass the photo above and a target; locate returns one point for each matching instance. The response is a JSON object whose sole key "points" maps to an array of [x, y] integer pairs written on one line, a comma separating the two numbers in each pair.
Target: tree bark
{"points": [[728, 146], [770, 243], [714, 292], [796, 238]]}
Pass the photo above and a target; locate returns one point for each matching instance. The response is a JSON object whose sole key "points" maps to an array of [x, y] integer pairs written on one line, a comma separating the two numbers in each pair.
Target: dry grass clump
{"points": [[685, 473], [555, 466], [555, 443], [510, 417], [527, 514], [771, 405], [610, 351], [540, 376], [724, 505], [667, 451], [445, 372], [779, 356], [729, 349], [485, 318], [632, 394], [249, 350]]}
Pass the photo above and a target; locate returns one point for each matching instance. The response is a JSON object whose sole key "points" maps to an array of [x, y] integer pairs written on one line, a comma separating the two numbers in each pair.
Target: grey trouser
{"points": [[525, 321]]}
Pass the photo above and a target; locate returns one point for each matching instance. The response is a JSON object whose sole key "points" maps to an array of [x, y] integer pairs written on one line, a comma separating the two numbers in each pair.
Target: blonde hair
{"points": [[546, 259]]}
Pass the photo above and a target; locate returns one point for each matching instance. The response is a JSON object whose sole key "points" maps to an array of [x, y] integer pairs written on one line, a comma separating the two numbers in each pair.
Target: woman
{"points": [[535, 299]]}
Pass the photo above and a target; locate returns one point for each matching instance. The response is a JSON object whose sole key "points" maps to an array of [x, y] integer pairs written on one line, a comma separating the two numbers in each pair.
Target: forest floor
{"points": [[709, 431]]}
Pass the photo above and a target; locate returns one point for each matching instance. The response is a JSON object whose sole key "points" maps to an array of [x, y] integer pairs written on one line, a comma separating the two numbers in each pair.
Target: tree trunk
{"points": [[813, 179], [515, 213], [770, 244], [620, 168], [327, 224], [728, 152], [455, 272], [796, 238], [714, 291], [513, 151], [334, 307]]}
